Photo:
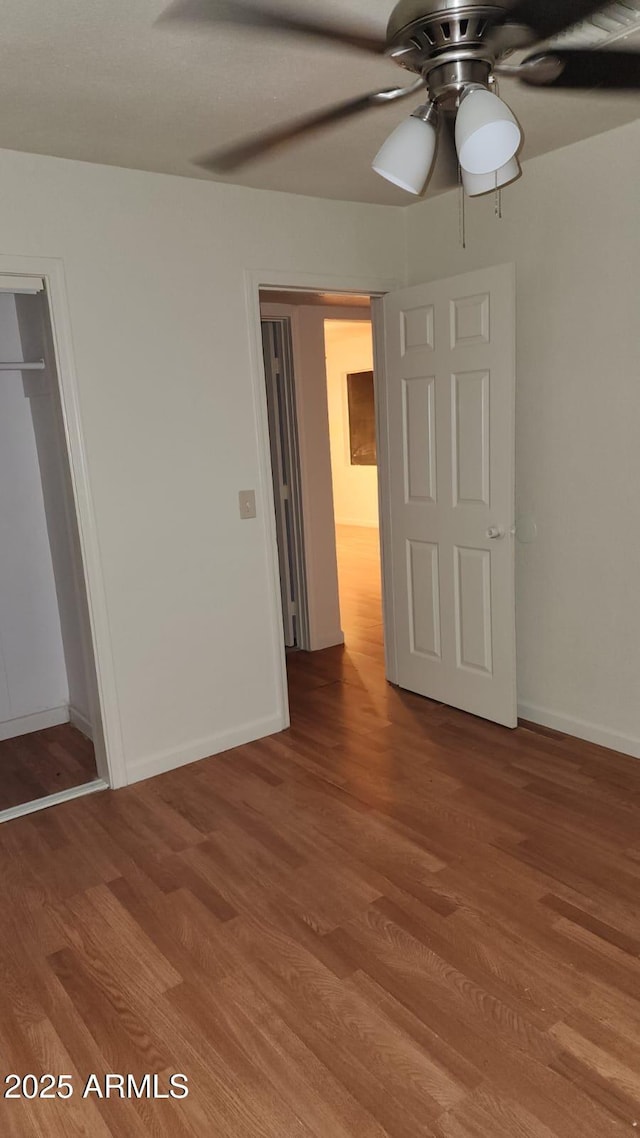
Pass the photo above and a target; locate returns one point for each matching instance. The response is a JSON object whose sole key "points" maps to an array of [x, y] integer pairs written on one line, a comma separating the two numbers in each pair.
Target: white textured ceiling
{"points": [[94, 80]]}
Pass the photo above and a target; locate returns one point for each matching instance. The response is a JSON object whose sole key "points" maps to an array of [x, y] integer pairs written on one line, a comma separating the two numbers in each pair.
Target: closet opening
{"points": [[51, 740]]}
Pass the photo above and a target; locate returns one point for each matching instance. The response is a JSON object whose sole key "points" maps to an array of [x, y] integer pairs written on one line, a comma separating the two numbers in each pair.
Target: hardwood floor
{"points": [[358, 549], [44, 762], [391, 920]]}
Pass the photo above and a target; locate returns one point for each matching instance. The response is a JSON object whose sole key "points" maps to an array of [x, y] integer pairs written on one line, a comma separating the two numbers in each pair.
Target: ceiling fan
{"points": [[457, 49]]}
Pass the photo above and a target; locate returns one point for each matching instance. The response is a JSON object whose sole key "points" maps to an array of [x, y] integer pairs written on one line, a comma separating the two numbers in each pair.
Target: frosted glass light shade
{"points": [[487, 133], [406, 157], [476, 184]]}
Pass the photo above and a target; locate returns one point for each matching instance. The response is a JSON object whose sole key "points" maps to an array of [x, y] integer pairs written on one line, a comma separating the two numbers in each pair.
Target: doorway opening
{"points": [[51, 744], [318, 354], [354, 471], [445, 386]]}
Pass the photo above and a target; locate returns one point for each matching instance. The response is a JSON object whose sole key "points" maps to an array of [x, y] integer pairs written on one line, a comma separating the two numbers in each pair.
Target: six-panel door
{"points": [[449, 387]]}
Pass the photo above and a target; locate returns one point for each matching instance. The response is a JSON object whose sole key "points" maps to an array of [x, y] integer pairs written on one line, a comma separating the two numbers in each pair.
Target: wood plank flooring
{"points": [[391, 920], [44, 762], [358, 549]]}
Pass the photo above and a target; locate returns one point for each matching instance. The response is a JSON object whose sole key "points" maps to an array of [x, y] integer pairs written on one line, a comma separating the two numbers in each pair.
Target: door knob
{"points": [[495, 531]]}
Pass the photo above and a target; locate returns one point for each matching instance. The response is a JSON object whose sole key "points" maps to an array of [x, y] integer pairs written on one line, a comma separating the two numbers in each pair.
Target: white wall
{"points": [[348, 348], [33, 676], [155, 271], [572, 227]]}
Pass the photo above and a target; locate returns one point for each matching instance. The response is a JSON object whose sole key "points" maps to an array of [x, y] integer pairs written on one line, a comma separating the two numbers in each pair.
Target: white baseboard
{"points": [[581, 729], [80, 721], [358, 522], [203, 748], [326, 640], [39, 721]]}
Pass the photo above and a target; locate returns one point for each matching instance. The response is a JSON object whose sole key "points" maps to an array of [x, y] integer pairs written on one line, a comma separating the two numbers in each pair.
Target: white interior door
{"points": [[449, 390]]}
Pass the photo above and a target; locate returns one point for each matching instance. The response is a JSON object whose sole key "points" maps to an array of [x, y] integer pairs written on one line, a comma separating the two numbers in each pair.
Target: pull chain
{"points": [[498, 205], [462, 215]]}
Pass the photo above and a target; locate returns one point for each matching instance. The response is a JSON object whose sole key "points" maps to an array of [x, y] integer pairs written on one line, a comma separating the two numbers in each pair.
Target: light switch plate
{"points": [[247, 500]]}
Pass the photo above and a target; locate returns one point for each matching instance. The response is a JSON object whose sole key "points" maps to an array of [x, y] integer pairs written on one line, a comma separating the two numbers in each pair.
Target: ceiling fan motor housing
{"points": [[447, 42]]}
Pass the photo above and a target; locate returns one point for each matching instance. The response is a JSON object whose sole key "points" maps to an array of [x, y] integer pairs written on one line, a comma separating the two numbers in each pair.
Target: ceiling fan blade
{"points": [[231, 157], [583, 69], [264, 16], [549, 17]]}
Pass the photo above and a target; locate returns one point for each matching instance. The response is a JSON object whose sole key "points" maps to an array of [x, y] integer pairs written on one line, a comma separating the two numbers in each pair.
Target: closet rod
{"points": [[20, 366]]}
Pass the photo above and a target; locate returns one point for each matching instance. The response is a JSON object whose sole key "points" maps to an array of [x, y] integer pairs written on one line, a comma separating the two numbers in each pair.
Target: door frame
{"points": [[384, 489], [255, 281], [110, 758]]}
